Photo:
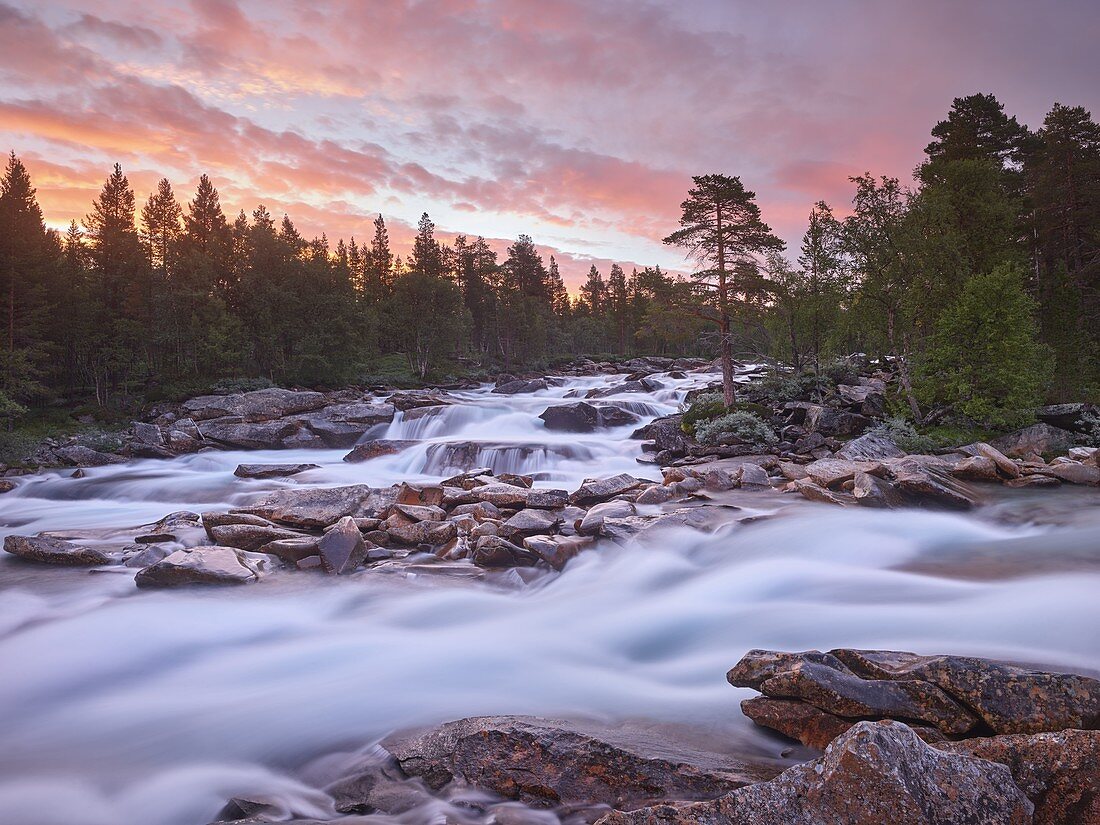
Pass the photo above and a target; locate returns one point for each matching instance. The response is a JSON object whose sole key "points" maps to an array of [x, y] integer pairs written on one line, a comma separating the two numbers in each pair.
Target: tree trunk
{"points": [[728, 392], [903, 366]]}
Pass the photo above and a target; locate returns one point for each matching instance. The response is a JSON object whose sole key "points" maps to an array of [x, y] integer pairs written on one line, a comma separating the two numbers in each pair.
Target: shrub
{"points": [[703, 407], [904, 434], [742, 425], [1090, 429]]}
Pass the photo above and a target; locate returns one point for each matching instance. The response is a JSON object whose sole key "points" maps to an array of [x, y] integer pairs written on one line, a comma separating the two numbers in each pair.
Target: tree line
{"points": [[177, 296], [980, 283]]}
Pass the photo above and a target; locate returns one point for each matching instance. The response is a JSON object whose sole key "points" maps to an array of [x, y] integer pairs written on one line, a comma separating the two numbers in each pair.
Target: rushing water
{"points": [[122, 706]]}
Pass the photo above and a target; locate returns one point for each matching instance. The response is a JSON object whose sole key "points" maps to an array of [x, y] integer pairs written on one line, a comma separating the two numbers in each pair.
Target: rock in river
{"points": [[342, 548], [551, 763], [199, 565], [49, 550], [272, 470]]}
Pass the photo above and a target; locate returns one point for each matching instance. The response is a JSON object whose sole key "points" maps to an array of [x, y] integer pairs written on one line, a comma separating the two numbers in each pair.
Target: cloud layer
{"points": [[577, 121]]}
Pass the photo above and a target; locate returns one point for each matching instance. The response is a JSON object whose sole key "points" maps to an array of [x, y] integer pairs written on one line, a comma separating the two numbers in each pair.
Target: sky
{"points": [[578, 122]]}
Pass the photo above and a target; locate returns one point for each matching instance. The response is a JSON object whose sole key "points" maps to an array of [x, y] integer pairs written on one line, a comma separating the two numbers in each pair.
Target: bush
{"points": [[904, 434], [742, 425], [780, 388], [703, 407], [1090, 429], [842, 371]]}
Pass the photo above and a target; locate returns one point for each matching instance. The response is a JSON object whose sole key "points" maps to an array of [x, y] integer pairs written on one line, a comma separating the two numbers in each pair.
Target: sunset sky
{"points": [[578, 122]]}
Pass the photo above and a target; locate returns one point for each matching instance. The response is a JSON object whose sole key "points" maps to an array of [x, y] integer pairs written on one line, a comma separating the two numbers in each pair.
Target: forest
{"points": [[980, 279]]}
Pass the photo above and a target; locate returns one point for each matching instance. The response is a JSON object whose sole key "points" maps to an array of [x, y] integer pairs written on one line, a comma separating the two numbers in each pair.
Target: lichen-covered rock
{"points": [[1059, 772], [875, 773], [870, 684], [548, 763]]}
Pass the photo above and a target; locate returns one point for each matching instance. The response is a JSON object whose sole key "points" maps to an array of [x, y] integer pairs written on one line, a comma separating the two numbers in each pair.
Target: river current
{"points": [[123, 706]]}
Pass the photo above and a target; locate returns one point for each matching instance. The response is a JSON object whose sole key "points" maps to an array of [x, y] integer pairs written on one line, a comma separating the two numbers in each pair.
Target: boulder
{"points": [[414, 399], [813, 727], [272, 470], [258, 405], [521, 385], [875, 492], [593, 491], [550, 763], [582, 417], [77, 455], [666, 434], [1041, 439], [753, 477], [1058, 772], [823, 495], [494, 551], [376, 448], [640, 385], [199, 565], [1004, 698], [212, 520], [341, 425], [976, 468], [423, 532], [291, 550], [871, 446], [1005, 465], [832, 472], [876, 772], [556, 550], [830, 422], [320, 507], [48, 550], [248, 537], [928, 485], [1074, 473], [264, 435], [593, 520], [529, 522], [342, 548], [1070, 417]]}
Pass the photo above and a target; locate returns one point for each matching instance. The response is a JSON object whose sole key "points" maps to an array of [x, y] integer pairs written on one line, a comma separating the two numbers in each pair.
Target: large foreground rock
{"points": [[199, 565], [547, 763], [875, 773], [47, 550], [943, 691], [1059, 772]]}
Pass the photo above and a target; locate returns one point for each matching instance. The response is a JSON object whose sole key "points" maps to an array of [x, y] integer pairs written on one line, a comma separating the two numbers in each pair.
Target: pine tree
{"points": [[618, 300], [722, 230]]}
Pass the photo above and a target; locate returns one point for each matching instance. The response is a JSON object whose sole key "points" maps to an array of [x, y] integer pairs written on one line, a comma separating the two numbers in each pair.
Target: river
{"points": [[123, 706]]}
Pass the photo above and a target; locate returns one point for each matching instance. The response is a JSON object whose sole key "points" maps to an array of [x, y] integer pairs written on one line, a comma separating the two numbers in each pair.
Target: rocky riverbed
{"points": [[263, 596]]}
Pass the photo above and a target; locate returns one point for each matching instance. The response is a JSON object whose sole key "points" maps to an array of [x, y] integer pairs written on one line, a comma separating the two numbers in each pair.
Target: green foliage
{"points": [[741, 425], [986, 362], [1090, 429], [904, 434], [702, 408]]}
